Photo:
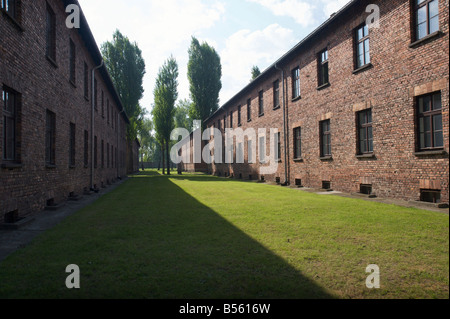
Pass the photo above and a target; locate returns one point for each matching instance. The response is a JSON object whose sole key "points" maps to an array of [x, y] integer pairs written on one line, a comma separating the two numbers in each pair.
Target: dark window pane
{"points": [[437, 122], [426, 102], [421, 125], [362, 146], [370, 146], [437, 103], [438, 139], [363, 134]]}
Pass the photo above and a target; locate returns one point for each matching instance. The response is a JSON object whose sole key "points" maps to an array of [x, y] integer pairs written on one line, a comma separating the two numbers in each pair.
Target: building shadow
{"points": [[206, 256]]}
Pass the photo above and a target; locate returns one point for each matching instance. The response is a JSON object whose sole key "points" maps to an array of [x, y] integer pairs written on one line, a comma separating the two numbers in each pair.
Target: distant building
{"points": [[62, 131]]}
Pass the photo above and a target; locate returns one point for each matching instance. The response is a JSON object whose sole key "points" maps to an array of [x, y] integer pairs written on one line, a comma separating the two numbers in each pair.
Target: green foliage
{"points": [[255, 72], [146, 139], [204, 73], [126, 66], [165, 95], [182, 115]]}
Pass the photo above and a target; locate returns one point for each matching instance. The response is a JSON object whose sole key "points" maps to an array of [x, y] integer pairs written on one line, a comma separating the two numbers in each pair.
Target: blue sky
{"points": [[244, 33]]}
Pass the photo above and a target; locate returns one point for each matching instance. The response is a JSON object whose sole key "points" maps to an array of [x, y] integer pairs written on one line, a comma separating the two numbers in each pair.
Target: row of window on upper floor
{"points": [[426, 17], [11, 134], [13, 8], [428, 122]]}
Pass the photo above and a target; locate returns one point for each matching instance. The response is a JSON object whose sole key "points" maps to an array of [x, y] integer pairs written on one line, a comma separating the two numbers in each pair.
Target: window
{"points": [[72, 62], [240, 153], [86, 81], [86, 148], [365, 189], [430, 196], [276, 94], [249, 110], [325, 139], [326, 185], [107, 110], [103, 154], [365, 132], [427, 17], [261, 103], [95, 152], [10, 128], [362, 46], [323, 68], [295, 83], [72, 145], [231, 119], [51, 34], [298, 143], [224, 122], [10, 6], [112, 156], [50, 138], [239, 116], [262, 149], [103, 104], [107, 155], [219, 125], [249, 152], [430, 132], [277, 143]]}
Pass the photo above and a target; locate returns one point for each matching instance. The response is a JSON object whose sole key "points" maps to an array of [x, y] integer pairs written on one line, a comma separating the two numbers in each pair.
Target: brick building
{"points": [[63, 127], [358, 108]]}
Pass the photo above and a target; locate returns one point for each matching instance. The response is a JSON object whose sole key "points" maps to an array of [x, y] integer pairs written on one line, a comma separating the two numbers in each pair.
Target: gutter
{"points": [[286, 179], [93, 123], [118, 132]]}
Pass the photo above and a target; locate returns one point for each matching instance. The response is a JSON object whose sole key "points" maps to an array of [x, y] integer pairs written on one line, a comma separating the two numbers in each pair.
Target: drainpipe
{"points": [[93, 123], [286, 180], [118, 132]]}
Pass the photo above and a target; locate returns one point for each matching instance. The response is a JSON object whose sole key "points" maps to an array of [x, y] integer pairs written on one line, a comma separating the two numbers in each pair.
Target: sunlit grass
{"points": [[195, 236]]}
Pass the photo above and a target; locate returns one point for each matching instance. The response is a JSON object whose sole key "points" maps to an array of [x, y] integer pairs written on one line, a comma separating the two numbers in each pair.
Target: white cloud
{"points": [[333, 6], [245, 49], [160, 28], [300, 11]]}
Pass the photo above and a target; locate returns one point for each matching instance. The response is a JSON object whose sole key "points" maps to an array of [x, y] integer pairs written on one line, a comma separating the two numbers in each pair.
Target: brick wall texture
{"points": [[28, 183], [400, 71]]}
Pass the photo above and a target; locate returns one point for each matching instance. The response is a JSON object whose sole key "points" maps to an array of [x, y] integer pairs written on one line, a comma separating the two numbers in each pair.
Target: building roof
{"points": [[287, 55], [92, 47]]}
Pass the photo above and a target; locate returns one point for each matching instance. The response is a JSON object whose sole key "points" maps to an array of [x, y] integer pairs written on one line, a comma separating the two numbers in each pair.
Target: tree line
{"points": [[126, 66]]}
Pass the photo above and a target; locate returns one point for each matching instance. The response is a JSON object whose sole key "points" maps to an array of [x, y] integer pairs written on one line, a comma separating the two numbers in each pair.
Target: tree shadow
{"points": [[207, 257]]}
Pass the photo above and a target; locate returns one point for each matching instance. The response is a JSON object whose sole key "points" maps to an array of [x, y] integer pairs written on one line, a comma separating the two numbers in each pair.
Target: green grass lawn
{"points": [[195, 236]]}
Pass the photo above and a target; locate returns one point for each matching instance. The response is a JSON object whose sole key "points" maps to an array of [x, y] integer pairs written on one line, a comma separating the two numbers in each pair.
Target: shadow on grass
{"points": [[202, 255], [150, 239]]}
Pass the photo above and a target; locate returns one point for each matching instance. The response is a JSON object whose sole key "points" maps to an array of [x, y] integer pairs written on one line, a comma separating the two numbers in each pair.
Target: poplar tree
{"points": [[204, 74], [165, 95]]}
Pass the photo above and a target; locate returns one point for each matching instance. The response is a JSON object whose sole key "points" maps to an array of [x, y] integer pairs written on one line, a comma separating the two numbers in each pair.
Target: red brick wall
{"points": [[43, 85], [398, 74]]}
